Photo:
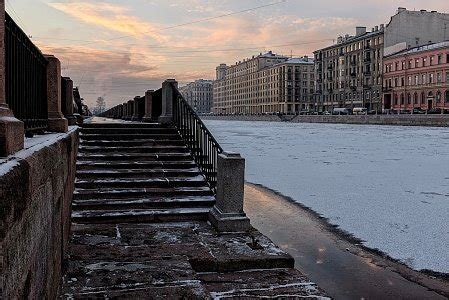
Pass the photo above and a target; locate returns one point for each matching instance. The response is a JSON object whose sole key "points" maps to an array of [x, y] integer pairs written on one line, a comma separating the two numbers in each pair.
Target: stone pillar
{"points": [[119, 111], [56, 120], [130, 110], [11, 129], [148, 115], [167, 101], [69, 102], [125, 110], [135, 116], [227, 215]]}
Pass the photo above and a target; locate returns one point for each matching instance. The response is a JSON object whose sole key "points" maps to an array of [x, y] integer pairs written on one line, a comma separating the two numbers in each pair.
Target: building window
{"points": [[395, 99], [438, 97], [415, 98], [402, 99], [409, 99], [423, 98], [446, 97]]}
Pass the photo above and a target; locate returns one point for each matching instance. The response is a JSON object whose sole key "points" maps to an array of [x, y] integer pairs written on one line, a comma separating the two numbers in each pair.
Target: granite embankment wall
{"points": [[36, 188], [404, 120]]}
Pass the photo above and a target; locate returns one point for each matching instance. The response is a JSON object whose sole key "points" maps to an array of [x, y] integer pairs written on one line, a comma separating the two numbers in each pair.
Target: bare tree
{"points": [[101, 106]]}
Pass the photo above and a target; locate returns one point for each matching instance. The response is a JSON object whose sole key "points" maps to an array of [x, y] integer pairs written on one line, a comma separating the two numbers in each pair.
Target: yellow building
{"points": [[267, 83]]}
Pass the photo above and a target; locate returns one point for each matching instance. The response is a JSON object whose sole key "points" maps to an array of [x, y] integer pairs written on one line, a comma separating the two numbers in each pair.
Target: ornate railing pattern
{"points": [[26, 78], [199, 140]]}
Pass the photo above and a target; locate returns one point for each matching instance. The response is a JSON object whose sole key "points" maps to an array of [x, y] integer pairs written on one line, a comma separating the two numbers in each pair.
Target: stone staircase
{"points": [[140, 227], [131, 172]]}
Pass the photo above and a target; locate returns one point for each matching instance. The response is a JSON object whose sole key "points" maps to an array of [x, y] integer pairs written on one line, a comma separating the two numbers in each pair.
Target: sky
{"points": [[118, 49]]}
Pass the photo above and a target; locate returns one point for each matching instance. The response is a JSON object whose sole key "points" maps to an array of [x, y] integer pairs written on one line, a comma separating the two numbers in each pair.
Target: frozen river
{"points": [[388, 186]]}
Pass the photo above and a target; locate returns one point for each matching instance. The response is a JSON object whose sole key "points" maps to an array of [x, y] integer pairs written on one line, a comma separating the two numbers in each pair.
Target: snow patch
{"points": [[387, 185]]}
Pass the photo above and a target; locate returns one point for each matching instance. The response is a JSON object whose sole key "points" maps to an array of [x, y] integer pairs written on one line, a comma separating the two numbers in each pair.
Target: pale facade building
{"points": [[267, 83], [199, 94], [350, 73]]}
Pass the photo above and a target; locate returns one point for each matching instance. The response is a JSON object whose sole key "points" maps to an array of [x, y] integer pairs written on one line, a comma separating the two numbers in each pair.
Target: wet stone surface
{"points": [[177, 260]]}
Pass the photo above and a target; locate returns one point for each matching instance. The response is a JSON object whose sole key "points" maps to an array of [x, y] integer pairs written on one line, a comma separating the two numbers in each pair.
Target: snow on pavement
{"points": [[388, 186]]}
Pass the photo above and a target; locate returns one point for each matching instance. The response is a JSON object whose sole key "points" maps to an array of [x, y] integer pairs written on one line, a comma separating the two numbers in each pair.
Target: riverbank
{"points": [[396, 120], [333, 259]]}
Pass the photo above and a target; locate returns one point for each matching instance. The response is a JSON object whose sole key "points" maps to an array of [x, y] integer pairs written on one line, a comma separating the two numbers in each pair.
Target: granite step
{"points": [[130, 157], [136, 149], [137, 173], [127, 130], [140, 215], [161, 182], [125, 125], [123, 193], [104, 165], [128, 137], [144, 203], [133, 143]]}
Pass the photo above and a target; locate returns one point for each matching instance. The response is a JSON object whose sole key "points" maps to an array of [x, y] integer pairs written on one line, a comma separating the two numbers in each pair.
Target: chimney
{"points": [[401, 9], [360, 30], [339, 40], [376, 28], [382, 27]]}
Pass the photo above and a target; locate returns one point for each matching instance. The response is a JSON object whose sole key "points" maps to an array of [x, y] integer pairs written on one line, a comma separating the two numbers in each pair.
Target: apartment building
{"points": [[267, 83], [348, 74], [417, 78], [199, 94]]}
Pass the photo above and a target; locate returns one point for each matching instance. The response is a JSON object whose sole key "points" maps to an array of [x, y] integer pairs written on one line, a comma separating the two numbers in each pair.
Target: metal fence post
{"points": [[56, 120], [11, 129]]}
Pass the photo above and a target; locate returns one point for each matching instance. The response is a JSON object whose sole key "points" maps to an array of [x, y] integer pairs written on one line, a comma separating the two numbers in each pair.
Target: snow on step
{"points": [[129, 174], [141, 215]]}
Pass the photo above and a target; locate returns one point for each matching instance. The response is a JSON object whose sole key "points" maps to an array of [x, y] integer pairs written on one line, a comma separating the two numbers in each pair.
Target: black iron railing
{"points": [[199, 140], [26, 78]]}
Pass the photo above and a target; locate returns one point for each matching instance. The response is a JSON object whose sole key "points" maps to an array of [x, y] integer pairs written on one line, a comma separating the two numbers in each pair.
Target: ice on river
{"points": [[388, 186]]}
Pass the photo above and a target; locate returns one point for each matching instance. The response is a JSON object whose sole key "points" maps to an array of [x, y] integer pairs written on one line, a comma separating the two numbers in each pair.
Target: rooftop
{"points": [[424, 48], [300, 60]]}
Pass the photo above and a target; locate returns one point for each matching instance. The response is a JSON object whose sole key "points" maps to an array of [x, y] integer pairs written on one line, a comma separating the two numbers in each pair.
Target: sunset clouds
{"points": [[118, 49]]}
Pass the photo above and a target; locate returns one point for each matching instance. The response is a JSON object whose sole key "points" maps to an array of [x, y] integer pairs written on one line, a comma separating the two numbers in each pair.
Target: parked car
{"points": [[359, 110], [371, 112], [340, 111], [434, 111], [419, 111]]}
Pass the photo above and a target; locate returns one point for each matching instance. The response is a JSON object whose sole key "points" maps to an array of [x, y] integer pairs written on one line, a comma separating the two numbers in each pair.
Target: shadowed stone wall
{"points": [[36, 188]]}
